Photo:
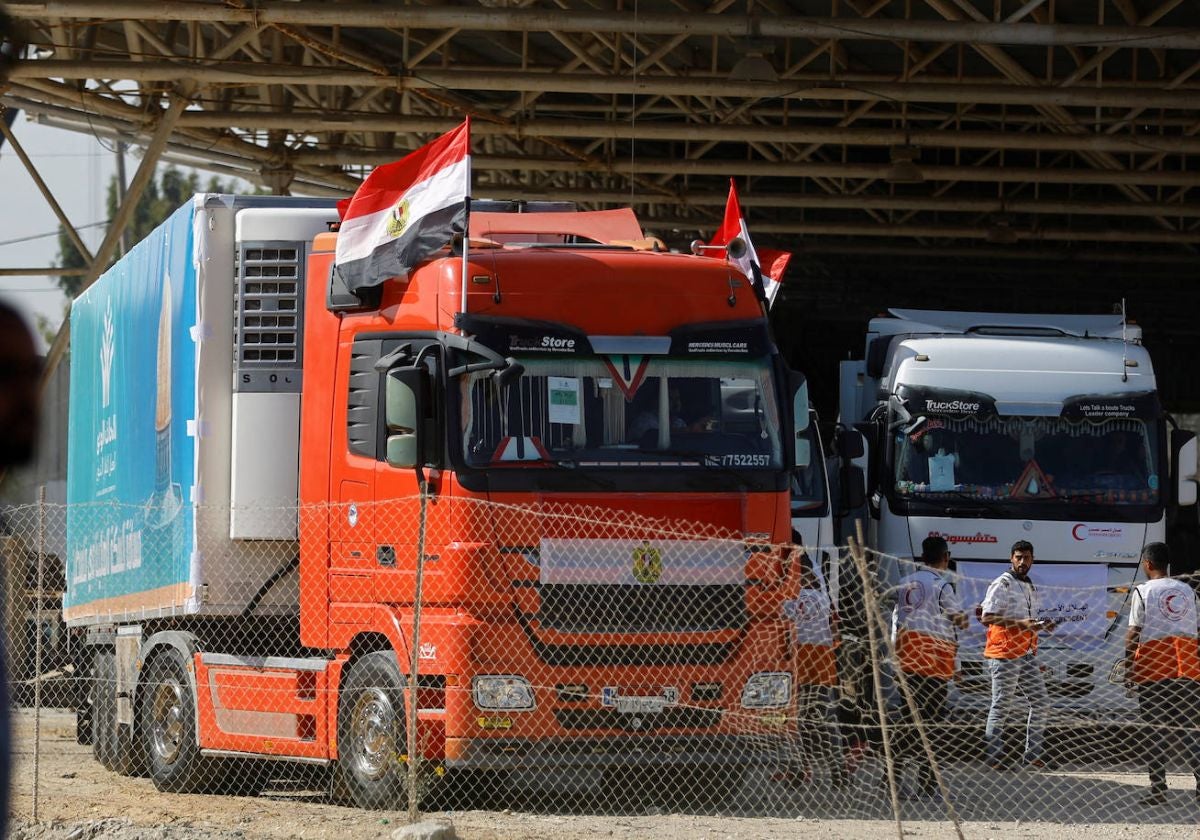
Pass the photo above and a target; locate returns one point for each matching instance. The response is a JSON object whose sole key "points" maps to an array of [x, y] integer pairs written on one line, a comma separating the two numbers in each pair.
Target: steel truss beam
{"points": [[372, 16], [847, 88], [608, 107]]}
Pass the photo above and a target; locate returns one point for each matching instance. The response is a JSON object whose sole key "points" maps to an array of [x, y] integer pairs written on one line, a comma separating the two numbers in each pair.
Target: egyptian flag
{"points": [[766, 267], [405, 211]]}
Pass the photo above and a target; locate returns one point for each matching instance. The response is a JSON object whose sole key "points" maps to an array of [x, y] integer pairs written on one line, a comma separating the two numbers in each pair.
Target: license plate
{"points": [[640, 705]]}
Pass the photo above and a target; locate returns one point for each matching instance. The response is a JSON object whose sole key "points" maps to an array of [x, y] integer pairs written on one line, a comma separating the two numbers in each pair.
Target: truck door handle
{"points": [[386, 555]]}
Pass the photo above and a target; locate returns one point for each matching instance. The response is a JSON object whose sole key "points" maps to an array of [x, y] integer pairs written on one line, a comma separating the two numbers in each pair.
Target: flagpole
{"points": [[466, 240]]}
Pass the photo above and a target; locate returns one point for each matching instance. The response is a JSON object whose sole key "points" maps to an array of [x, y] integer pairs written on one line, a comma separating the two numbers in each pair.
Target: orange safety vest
{"points": [[1165, 610], [927, 656], [925, 637], [1009, 642], [1020, 602], [814, 662]]}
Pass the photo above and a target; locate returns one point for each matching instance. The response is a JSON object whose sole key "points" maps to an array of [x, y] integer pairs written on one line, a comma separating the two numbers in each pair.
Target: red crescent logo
{"points": [[914, 596], [1075, 532], [1171, 611]]}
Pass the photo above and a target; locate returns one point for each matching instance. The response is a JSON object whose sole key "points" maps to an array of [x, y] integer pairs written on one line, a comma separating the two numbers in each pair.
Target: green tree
{"points": [[162, 196]]}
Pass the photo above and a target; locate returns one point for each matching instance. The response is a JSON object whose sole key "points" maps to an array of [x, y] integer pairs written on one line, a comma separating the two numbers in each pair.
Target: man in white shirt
{"points": [[1162, 663], [925, 624], [1010, 613]]}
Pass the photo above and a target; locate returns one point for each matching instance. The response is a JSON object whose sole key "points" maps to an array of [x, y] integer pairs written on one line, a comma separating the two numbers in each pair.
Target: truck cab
{"points": [[587, 459], [989, 428]]}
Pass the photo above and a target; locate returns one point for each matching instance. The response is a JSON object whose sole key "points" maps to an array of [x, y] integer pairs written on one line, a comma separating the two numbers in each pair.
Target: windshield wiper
{"points": [[978, 502], [572, 466]]}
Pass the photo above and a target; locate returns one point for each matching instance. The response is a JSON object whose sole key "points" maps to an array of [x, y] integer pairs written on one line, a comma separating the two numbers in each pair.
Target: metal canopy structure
{"points": [[993, 138]]}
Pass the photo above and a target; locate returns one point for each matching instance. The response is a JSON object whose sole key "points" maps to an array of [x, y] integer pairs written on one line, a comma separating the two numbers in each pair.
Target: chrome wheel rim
{"points": [[372, 740], [166, 721]]}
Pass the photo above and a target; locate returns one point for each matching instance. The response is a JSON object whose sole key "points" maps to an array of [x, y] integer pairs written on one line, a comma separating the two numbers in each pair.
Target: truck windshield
{"points": [[662, 411], [1029, 459]]}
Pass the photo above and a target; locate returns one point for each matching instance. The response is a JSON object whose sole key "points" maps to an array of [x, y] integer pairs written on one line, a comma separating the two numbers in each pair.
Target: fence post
{"points": [[874, 614], [414, 653], [37, 647], [860, 562]]}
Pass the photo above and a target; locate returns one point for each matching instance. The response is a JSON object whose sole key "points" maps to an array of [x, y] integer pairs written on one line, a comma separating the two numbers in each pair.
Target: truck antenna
{"points": [[1124, 344]]}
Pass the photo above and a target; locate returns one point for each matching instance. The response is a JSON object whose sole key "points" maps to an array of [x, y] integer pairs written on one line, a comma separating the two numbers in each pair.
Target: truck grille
{"points": [[576, 656], [608, 608]]}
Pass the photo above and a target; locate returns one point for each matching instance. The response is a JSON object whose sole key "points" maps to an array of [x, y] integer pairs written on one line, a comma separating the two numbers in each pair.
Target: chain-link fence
{"points": [[605, 656]]}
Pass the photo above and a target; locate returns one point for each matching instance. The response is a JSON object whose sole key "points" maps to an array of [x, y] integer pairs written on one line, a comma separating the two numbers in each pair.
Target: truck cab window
{"points": [[1029, 459], [583, 410]]}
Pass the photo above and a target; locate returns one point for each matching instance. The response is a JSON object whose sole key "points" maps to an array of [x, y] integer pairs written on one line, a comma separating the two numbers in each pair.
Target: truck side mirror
{"points": [[510, 373], [1185, 467], [406, 395], [801, 451]]}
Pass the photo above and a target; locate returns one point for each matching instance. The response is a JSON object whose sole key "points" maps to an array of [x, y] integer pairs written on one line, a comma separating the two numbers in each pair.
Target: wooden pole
{"points": [[874, 614], [860, 562], [414, 800]]}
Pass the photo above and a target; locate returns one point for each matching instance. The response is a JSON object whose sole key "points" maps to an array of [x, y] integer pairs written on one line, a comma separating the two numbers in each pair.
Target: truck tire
{"points": [[112, 745], [371, 734], [168, 723], [85, 705], [104, 706]]}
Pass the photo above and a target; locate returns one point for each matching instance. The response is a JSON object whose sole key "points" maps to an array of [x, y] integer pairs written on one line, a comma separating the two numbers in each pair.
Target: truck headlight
{"points": [[506, 692], [769, 690]]}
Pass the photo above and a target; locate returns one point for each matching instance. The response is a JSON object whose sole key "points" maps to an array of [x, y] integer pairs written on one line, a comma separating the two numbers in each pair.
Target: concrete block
{"points": [[426, 830]]}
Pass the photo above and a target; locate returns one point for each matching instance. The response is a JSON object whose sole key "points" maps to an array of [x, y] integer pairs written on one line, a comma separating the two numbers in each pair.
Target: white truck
{"points": [[988, 428]]}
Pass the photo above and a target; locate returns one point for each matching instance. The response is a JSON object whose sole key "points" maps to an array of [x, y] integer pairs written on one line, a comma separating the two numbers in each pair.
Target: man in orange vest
{"points": [[925, 622], [1161, 662], [815, 673], [1010, 613]]}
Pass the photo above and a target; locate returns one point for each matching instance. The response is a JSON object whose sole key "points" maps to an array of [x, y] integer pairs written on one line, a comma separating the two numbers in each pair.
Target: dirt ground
{"points": [[79, 800]]}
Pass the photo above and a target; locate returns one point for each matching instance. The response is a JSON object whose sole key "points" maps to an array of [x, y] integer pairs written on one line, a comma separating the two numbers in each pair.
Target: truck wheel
{"points": [[107, 745], [85, 706], [112, 745], [104, 707], [371, 734], [168, 722], [83, 727]]}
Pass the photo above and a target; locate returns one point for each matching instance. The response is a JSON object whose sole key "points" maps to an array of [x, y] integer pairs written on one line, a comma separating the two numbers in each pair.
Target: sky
{"points": [[77, 168]]}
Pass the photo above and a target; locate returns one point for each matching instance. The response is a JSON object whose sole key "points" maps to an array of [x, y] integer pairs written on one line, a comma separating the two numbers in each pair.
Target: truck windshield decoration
{"points": [[1028, 459], [585, 412]]}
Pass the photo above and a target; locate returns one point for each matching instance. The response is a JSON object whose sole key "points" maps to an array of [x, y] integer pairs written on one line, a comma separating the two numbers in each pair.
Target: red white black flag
{"points": [[764, 267], [405, 211]]}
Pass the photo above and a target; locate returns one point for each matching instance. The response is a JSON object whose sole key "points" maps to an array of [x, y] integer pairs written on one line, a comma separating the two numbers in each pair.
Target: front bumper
{"points": [[611, 751]]}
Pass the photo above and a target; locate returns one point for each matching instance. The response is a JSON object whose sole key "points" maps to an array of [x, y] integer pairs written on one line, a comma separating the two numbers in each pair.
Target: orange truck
{"points": [[577, 472]]}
